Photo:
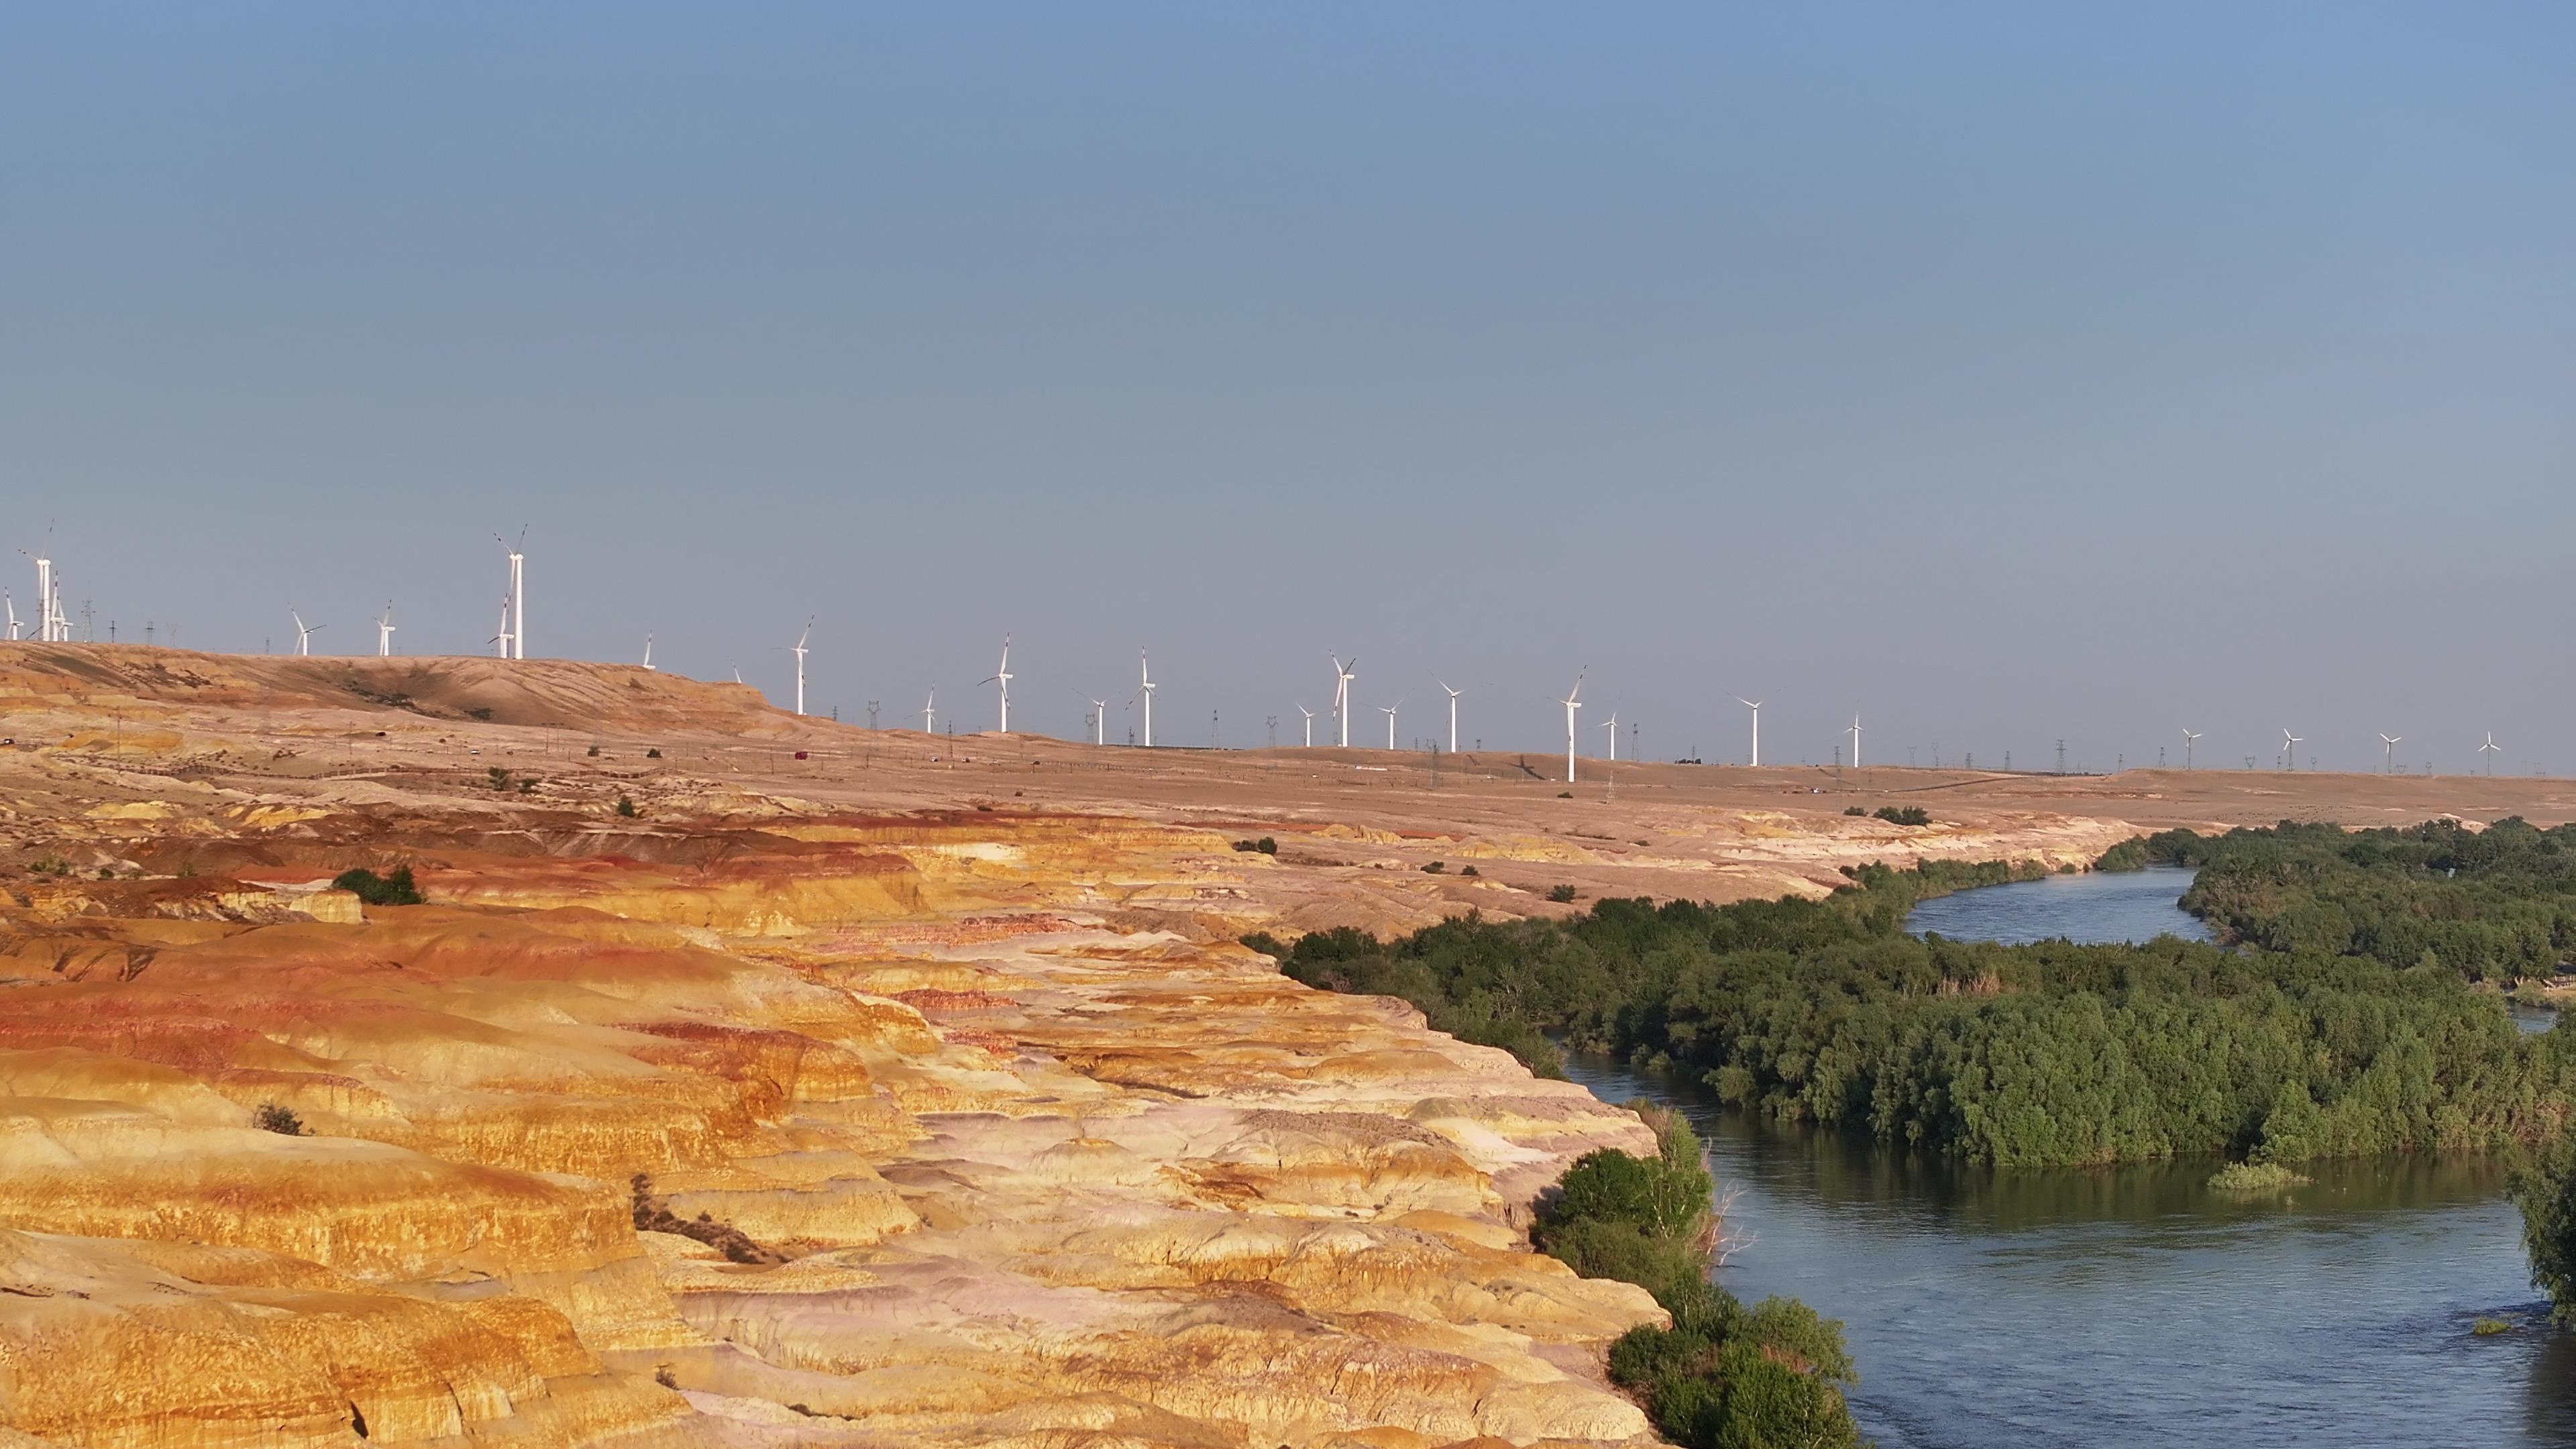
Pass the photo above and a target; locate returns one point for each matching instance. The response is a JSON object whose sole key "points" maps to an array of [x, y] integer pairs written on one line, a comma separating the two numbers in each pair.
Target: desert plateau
{"points": [[856, 1088]]}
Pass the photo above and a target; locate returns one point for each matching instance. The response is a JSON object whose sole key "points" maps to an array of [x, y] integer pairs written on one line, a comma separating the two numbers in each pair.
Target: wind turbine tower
{"points": [[1612, 725], [2187, 738], [1855, 734], [1389, 711], [385, 632], [2290, 747], [1571, 703], [1754, 705], [929, 709], [798, 649], [648, 654], [12, 606], [1099, 721], [514, 610], [1453, 711], [1145, 692], [1343, 674], [1002, 677], [2489, 750], [1301, 709], [303, 634], [2388, 765]]}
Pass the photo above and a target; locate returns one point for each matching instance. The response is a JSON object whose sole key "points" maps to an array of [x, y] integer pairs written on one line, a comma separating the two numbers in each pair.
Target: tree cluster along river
{"points": [[2137, 1306]]}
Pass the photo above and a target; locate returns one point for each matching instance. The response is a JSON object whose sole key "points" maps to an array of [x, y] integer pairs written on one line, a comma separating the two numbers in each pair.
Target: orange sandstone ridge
{"points": [[909, 1093]]}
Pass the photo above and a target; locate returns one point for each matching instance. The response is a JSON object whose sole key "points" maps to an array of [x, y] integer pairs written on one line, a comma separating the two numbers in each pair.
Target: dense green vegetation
{"points": [[2497, 904], [1723, 1375], [2047, 1054], [394, 889], [2546, 1193]]}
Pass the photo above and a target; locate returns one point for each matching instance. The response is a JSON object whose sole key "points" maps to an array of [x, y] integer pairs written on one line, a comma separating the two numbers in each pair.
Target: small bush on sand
{"points": [[273, 1118], [1560, 894], [396, 889]]}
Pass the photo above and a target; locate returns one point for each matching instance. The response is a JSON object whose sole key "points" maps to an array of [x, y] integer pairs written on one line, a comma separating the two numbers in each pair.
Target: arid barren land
{"points": [[910, 1092]]}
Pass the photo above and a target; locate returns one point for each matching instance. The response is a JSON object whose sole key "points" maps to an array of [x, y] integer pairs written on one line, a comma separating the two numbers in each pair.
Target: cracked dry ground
{"points": [[1046, 1160]]}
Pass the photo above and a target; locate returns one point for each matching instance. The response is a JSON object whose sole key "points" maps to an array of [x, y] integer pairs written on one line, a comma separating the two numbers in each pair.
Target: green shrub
{"points": [[594, 752], [1266, 846], [499, 777], [1560, 894], [2254, 1177], [1721, 1377], [2546, 1193], [1435, 867], [273, 1118], [1855, 810], [653, 754], [626, 806], [1466, 870], [1903, 814], [394, 889]]}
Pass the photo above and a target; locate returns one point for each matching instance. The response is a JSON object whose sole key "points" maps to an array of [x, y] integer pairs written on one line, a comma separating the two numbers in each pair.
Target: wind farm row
{"points": [[53, 623]]}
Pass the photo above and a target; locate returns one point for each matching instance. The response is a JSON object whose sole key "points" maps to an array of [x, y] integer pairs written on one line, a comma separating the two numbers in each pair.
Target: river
{"points": [[2135, 1306]]}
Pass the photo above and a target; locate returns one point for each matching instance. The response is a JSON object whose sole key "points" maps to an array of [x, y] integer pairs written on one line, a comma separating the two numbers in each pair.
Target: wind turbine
{"points": [[2489, 750], [929, 708], [1855, 734], [1145, 692], [1453, 710], [1002, 676], [2290, 746], [303, 634], [1343, 674], [1570, 707], [2388, 766], [514, 611], [385, 632], [503, 638], [1301, 709], [2187, 738], [49, 627], [12, 606], [648, 650], [798, 649], [1612, 725], [1754, 705], [1389, 711]]}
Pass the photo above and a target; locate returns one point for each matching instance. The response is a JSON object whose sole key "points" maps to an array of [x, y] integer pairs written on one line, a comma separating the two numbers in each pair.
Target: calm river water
{"points": [[2135, 1306]]}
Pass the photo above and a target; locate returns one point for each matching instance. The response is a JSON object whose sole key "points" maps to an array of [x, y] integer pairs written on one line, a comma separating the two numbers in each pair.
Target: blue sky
{"points": [[2003, 373]]}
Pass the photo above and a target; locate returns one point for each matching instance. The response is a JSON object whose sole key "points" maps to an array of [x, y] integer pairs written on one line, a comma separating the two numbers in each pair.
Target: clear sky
{"points": [[2001, 372]]}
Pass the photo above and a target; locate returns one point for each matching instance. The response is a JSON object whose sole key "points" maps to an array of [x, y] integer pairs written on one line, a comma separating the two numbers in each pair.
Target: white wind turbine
{"points": [[929, 709], [1145, 692], [1612, 725], [2388, 765], [503, 638], [385, 632], [2187, 738], [514, 609], [1099, 720], [1571, 705], [798, 649], [50, 626], [1855, 734], [2290, 746], [303, 633], [1301, 709], [648, 649], [1389, 711], [1002, 676], [2489, 750], [1343, 674], [12, 606], [1754, 705], [1453, 710]]}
